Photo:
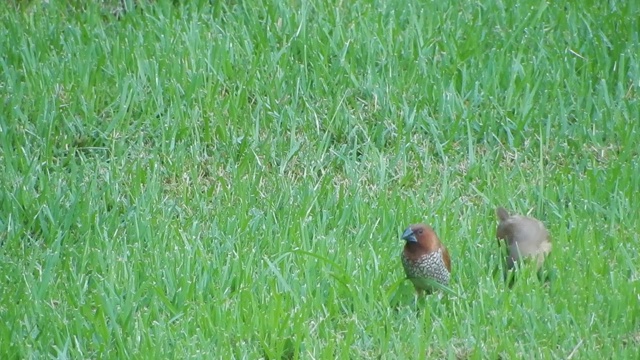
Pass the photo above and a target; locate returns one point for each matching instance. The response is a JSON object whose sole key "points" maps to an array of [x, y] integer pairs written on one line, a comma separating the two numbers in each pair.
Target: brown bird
{"points": [[425, 259], [524, 236]]}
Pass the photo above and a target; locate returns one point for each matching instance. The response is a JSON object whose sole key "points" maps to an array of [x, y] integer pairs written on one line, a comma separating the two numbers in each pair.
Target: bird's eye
{"points": [[420, 231]]}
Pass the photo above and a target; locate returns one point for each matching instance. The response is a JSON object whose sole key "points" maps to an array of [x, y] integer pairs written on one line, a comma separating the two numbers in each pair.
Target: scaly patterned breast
{"points": [[429, 266]]}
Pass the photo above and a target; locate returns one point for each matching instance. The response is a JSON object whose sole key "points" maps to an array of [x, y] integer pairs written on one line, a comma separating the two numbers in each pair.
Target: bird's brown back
{"points": [[524, 236]]}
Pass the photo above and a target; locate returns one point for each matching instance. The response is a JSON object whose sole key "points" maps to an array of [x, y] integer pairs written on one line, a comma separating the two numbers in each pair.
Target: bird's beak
{"points": [[408, 235]]}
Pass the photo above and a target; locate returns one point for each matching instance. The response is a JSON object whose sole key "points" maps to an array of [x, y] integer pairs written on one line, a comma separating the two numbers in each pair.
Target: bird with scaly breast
{"points": [[424, 258]]}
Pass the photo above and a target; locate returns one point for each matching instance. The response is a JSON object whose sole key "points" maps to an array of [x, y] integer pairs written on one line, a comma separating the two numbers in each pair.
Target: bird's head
{"points": [[422, 235]]}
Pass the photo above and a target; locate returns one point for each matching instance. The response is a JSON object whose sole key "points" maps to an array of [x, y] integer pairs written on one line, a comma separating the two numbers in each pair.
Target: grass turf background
{"points": [[230, 179]]}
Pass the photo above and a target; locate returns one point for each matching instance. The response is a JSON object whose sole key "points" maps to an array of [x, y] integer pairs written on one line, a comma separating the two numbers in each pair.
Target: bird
{"points": [[425, 259], [525, 238]]}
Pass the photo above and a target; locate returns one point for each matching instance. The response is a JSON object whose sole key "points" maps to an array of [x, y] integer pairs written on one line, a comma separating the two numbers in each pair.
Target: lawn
{"points": [[231, 180]]}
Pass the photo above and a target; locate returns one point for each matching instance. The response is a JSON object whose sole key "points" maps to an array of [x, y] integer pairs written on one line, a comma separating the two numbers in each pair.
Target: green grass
{"points": [[231, 180]]}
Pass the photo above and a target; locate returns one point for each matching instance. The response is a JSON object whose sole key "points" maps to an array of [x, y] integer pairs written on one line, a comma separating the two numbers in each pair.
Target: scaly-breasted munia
{"points": [[524, 236], [425, 259]]}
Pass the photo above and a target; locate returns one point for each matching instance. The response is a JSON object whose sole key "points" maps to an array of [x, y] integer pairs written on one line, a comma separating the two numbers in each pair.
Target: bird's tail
{"points": [[502, 214]]}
